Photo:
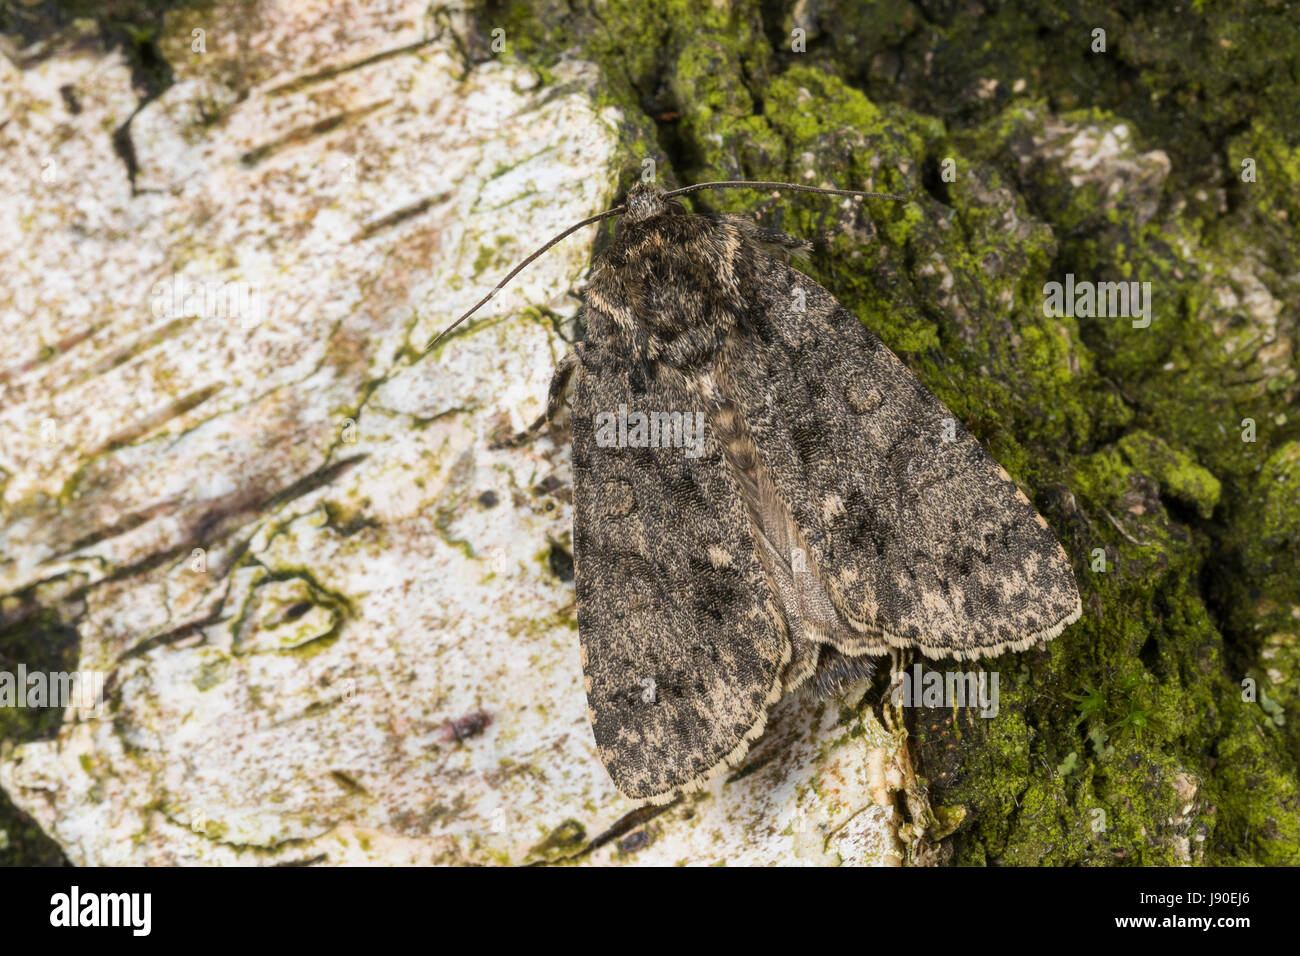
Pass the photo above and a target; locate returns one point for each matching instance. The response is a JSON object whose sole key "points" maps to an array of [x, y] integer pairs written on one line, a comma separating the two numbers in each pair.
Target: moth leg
{"points": [[775, 237], [891, 713], [554, 399], [822, 241]]}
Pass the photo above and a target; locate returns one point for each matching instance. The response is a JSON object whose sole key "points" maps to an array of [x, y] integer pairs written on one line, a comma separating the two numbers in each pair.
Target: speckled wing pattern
{"points": [[921, 538], [682, 643], [837, 509]]}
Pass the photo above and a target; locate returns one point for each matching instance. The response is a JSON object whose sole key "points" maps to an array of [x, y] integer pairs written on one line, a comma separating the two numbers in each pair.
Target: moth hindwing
{"points": [[827, 509]]}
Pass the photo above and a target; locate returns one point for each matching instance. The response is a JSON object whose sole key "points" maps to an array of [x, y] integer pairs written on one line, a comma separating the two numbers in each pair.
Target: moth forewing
{"points": [[831, 510]]}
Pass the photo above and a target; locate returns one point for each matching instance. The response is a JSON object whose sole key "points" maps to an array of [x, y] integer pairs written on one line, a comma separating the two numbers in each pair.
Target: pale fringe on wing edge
{"points": [[698, 782], [993, 650], [776, 692]]}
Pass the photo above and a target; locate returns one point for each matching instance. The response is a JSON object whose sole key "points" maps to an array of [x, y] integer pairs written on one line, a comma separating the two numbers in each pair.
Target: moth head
{"points": [[644, 201]]}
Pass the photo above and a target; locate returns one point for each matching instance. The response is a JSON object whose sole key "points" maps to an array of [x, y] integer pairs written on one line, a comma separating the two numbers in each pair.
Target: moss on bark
{"points": [[1166, 457]]}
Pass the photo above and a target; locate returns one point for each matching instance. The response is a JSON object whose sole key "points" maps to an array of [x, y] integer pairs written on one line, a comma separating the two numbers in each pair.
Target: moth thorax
{"points": [[644, 201]]}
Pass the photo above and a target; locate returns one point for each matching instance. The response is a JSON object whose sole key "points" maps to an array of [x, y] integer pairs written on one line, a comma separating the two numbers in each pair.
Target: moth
{"points": [[832, 511]]}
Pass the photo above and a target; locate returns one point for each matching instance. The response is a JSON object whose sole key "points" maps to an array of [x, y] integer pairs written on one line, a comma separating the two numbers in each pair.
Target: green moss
{"points": [[1177, 472], [1259, 806]]}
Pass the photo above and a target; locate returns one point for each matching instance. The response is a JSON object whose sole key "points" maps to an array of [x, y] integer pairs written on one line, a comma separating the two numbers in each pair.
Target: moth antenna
{"points": [[794, 187], [617, 210]]}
